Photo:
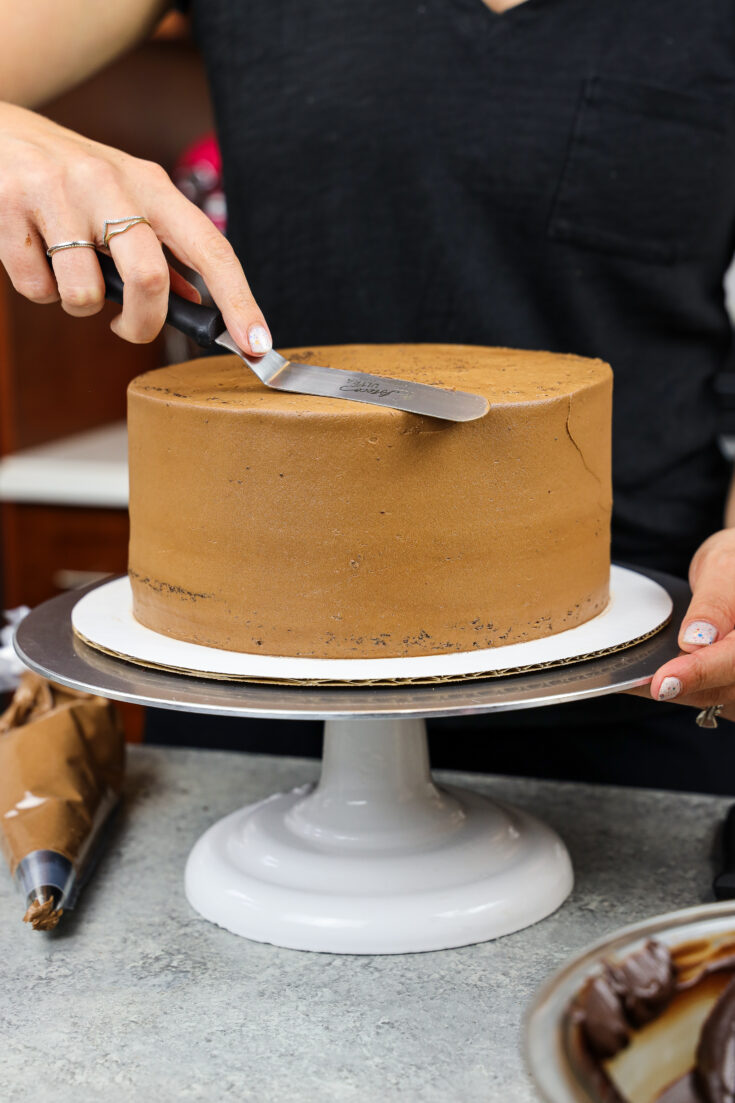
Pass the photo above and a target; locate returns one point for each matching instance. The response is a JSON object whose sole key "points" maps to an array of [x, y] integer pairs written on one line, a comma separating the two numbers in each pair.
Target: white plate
{"points": [[638, 607]]}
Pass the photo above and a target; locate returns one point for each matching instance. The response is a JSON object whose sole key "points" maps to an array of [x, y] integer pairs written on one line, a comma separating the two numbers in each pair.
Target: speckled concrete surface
{"points": [[136, 998]]}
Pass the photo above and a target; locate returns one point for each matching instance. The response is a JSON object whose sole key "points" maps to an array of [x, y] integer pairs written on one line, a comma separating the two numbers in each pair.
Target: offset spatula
{"points": [[205, 325]]}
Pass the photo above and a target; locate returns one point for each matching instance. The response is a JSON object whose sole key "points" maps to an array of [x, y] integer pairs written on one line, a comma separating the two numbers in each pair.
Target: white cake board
{"points": [[376, 858], [638, 607]]}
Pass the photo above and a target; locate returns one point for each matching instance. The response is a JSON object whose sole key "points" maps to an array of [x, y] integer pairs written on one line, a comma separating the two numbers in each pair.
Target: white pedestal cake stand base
{"points": [[376, 858]]}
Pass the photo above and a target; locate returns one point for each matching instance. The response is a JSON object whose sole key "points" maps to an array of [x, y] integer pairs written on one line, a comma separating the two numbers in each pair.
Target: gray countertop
{"points": [[135, 997]]}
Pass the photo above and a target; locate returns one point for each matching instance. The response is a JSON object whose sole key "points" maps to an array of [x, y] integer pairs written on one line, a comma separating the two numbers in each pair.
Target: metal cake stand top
{"points": [[46, 642]]}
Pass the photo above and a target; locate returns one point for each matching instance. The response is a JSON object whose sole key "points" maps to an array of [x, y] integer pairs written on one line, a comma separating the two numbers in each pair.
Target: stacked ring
{"points": [[707, 718], [69, 245], [125, 224]]}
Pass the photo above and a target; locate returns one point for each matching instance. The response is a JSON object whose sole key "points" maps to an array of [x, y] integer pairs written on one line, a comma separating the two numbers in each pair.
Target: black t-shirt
{"points": [[561, 176]]}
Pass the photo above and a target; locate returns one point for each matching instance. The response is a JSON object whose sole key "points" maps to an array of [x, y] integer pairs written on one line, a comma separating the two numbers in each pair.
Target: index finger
{"points": [[195, 241]]}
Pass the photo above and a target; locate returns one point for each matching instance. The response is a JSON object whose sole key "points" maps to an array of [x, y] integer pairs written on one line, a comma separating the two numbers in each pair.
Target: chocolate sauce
{"points": [[605, 1027], [715, 1069], [625, 996], [645, 983]]}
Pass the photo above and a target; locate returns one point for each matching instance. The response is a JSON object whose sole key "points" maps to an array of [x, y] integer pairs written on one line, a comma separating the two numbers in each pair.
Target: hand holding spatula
{"points": [[205, 325]]}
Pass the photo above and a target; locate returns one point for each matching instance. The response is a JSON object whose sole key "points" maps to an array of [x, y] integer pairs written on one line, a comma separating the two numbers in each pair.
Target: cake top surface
{"points": [[503, 376]]}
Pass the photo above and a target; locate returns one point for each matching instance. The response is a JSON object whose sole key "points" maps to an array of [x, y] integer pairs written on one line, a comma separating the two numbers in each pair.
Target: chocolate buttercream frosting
{"points": [[289, 524], [43, 916]]}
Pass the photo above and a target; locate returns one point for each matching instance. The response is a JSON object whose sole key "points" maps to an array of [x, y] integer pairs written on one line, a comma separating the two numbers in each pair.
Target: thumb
{"points": [[711, 612]]}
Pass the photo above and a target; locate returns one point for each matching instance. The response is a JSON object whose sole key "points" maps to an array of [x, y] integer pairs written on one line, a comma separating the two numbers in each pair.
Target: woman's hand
{"points": [[705, 674], [58, 186]]}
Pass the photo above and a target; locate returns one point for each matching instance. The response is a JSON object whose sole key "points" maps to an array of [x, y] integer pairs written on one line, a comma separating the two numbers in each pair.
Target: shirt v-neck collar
{"points": [[509, 14], [503, 11]]}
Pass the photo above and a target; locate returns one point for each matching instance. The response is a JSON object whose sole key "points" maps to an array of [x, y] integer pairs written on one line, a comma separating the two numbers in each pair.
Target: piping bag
{"points": [[62, 757]]}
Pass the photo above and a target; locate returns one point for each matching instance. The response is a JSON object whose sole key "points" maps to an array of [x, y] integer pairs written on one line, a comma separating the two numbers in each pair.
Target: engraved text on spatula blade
{"points": [[400, 394]]}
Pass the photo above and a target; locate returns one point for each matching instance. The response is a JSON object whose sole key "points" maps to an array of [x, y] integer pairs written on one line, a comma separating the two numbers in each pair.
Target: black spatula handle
{"points": [[202, 323]]}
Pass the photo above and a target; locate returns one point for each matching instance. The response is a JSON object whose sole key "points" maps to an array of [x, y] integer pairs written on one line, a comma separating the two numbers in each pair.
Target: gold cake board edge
{"points": [[434, 679]]}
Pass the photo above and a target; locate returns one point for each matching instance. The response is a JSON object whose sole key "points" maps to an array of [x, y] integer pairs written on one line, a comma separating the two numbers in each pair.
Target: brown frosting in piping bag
{"points": [[61, 756]]}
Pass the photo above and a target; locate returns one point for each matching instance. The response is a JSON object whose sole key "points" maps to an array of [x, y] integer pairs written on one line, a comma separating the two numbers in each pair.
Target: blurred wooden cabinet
{"points": [[48, 549], [60, 375]]}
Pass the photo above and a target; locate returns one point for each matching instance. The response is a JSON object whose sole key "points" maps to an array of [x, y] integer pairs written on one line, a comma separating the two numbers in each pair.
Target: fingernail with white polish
{"points": [[259, 339], [670, 687], [700, 631]]}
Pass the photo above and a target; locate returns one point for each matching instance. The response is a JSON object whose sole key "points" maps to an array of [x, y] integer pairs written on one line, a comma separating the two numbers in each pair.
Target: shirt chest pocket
{"points": [[643, 172]]}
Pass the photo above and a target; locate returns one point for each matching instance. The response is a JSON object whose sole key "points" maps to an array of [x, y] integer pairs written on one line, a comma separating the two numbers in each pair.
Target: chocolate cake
{"points": [[285, 524], [676, 1008]]}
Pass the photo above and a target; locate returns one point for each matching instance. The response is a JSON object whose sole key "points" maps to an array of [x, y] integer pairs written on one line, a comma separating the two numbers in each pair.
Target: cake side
{"points": [[284, 524]]}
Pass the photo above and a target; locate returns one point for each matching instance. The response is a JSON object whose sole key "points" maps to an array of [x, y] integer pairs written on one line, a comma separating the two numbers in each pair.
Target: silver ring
{"points": [[69, 245], [707, 718], [125, 224]]}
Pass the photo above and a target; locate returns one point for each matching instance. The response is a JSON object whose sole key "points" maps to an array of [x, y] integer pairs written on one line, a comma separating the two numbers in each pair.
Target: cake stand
{"points": [[376, 858]]}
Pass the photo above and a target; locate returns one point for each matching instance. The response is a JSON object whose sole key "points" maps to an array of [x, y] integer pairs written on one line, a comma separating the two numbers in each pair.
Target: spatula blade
{"points": [[399, 394]]}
